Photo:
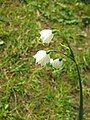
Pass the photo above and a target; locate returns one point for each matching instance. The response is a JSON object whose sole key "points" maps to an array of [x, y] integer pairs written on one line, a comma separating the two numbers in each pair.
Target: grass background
{"points": [[29, 91]]}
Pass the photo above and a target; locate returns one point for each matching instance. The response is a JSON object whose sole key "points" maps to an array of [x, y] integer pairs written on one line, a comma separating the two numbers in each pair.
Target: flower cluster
{"points": [[42, 57]]}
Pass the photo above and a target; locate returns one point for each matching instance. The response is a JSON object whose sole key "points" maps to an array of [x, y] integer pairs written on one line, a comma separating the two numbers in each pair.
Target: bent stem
{"points": [[72, 57]]}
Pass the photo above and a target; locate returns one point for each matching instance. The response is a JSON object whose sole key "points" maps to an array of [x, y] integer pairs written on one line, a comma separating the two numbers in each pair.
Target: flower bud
{"points": [[57, 63]]}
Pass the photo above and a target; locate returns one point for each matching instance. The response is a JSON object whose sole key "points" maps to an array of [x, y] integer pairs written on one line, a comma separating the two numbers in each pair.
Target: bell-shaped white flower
{"points": [[42, 57], [57, 63], [46, 35]]}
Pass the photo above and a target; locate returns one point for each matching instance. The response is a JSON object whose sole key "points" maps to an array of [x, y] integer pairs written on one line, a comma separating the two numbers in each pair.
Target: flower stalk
{"points": [[72, 57], [80, 117]]}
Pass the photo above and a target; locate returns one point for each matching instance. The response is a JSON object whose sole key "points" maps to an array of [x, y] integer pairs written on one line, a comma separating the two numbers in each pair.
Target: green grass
{"points": [[29, 91]]}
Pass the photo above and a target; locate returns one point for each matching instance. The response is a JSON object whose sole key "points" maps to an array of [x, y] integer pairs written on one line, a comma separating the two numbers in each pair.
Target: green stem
{"points": [[81, 93], [80, 117], [72, 57]]}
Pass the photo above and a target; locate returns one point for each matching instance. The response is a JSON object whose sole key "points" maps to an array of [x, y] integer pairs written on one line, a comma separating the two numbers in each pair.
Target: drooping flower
{"points": [[46, 35], [57, 63], [42, 57]]}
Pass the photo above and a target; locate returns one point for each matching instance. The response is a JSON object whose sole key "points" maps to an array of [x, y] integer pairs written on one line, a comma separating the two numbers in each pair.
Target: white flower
{"points": [[42, 57], [46, 35], [57, 63]]}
